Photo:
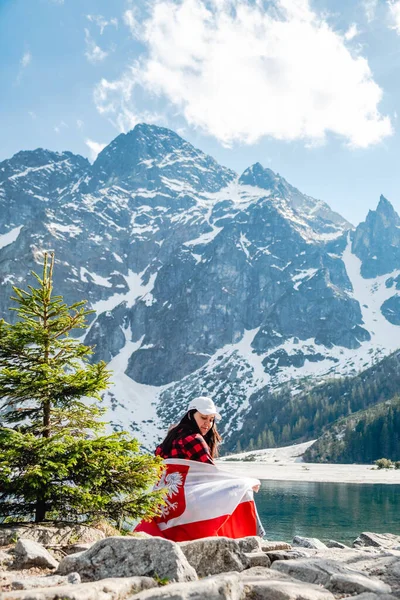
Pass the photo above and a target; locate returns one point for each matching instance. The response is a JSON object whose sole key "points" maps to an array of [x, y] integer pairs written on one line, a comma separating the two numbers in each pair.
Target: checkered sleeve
{"points": [[195, 447]]}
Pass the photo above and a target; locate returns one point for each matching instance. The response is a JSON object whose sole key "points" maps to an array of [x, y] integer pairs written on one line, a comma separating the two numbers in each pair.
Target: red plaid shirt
{"points": [[191, 446]]}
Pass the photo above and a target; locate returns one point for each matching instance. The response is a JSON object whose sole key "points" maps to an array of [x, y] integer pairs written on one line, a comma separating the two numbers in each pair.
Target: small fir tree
{"points": [[56, 461]]}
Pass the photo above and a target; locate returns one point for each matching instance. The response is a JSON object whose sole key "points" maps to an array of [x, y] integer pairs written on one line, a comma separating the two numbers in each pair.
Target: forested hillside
{"points": [[282, 418], [363, 437]]}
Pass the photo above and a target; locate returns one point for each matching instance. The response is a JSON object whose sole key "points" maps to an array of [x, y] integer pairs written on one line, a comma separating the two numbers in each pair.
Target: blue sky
{"points": [[308, 88]]}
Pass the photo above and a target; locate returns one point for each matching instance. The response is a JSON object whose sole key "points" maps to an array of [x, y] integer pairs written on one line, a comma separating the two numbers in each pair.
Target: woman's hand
{"points": [[256, 487]]}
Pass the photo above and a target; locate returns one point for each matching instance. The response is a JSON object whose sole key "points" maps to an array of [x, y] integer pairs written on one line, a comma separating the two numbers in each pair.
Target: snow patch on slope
{"points": [[8, 238], [130, 402], [137, 289]]}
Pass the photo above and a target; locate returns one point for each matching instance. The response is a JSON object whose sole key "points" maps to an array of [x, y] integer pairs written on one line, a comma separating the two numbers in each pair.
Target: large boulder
{"points": [[107, 589], [129, 557], [332, 575], [377, 540], [213, 555], [49, 535], [31, 554]]}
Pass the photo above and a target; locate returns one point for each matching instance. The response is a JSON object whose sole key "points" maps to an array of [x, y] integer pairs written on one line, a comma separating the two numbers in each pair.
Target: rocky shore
{"points": [[81, 563]]}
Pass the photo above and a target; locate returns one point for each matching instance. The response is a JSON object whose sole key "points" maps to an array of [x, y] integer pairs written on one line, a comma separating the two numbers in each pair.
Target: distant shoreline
{"points": [[311, 472]]}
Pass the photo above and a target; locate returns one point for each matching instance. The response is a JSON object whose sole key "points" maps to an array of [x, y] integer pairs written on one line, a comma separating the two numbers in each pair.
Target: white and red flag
{"points": [[203, 500]]}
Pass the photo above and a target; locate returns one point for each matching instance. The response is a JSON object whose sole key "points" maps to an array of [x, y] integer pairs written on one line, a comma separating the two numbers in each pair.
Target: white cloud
{"points": [[130, 19], [370, 7], [241, 72], [25, 60], [114, 99], [94, 147], [394, 9], [352, 32], [93, 52], [101, 22], [60, 126]]}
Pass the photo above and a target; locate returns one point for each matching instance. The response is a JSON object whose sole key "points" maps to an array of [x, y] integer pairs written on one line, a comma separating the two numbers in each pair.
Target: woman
{"points": [[201, 500], [196, 436]]}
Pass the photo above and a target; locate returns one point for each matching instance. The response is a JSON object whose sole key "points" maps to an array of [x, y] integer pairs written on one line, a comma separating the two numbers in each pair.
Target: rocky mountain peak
{"points": [[30, 161], [150, 156], [385, 209], [261, 177], [377, 240]]}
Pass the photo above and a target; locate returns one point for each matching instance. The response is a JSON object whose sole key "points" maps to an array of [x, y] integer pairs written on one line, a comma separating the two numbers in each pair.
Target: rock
{"points": [[357, 583], [264, 573], [306, 542], [218, 587], [107, 589], [128, 557], [286, 590], [270, 546], [29, 583], [75, 548], [258, 559], [335, 544], [261, 583], [213, 555], [331, 574], [252, 543], [32, 554], [287, 554], [74, 578], [377, 540], [372, 596], [5, 558], [50, 535]]}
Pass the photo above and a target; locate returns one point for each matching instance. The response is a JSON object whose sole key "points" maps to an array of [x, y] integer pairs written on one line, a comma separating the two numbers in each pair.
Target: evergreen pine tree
{"points": [[56, 461]]}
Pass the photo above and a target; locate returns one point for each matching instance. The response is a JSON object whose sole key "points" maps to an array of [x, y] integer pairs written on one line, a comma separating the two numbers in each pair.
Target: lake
{"points": [[338, 511]]}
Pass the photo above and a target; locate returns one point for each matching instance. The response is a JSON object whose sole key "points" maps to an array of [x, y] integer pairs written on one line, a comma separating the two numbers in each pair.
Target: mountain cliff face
{"points": [[202, 281]]}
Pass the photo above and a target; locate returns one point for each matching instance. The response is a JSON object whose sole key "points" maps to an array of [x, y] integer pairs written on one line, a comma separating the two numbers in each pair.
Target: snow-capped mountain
{"points": [[202, 281]]}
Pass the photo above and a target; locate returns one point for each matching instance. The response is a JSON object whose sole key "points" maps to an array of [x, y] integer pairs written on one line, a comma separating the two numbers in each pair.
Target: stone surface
{"points": [[357, 583], [372, 596], [32, 554], [287, 554], [29, 583], [335, 544], [377, 540], [270, 546], [306, 542], [5, 558], [107, 589], [218, 587], [74, 548], [252, 543], [128, 557], [332, 575], [50, 535], [258, 559], [210, 556], [284, 590]]}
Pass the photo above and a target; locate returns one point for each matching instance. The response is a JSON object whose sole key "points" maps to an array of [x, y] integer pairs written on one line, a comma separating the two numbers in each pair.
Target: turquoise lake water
{"points": [[339, 511]]}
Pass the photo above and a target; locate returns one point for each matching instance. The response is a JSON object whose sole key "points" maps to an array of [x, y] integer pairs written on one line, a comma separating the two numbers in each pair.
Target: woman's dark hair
{"points": [[186, 426]]}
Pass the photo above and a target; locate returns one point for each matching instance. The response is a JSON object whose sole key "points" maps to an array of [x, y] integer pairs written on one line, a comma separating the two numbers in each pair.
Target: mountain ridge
{"points": [[201, 283]]}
